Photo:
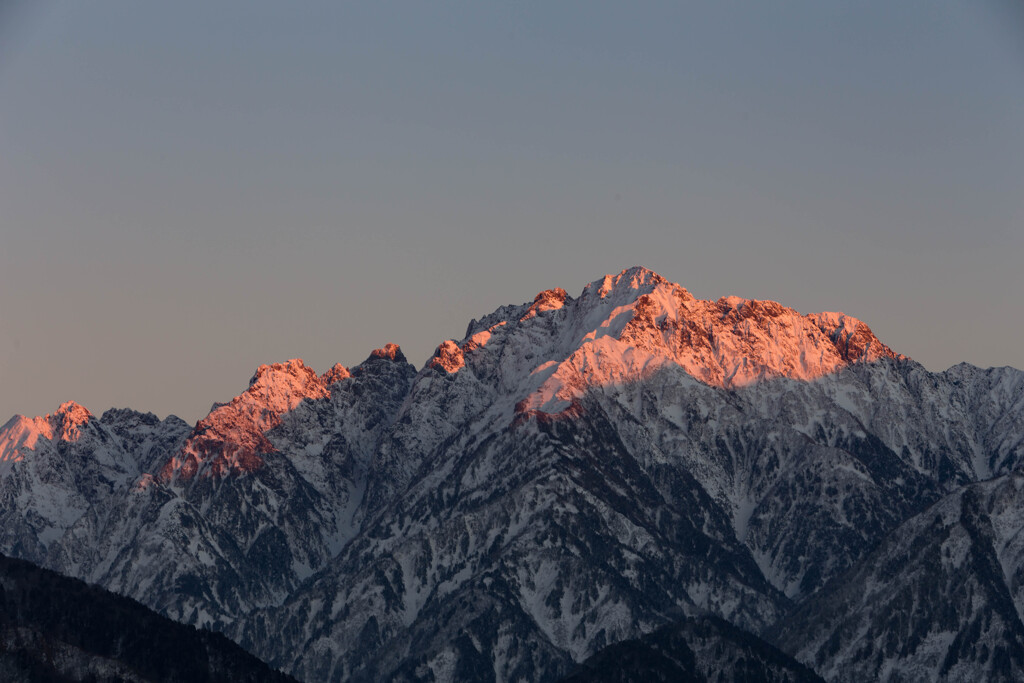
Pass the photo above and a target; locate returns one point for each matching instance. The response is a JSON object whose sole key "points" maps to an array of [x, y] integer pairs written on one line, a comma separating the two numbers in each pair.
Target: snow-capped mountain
{"points": [[54, 469], [572, 473]]}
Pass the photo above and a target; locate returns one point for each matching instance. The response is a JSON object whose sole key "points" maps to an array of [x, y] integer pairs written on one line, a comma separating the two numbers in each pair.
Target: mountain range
{"points": [[572, 475]]}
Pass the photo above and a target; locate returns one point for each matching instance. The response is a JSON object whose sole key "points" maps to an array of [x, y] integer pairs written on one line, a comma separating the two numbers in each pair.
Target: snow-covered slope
{"points": [[552, 524], [573, 472], [939, 600]]}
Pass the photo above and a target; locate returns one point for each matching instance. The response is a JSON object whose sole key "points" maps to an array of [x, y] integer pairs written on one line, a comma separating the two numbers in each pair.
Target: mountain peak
{"points": [[72, 408], [630, 280], [21, 434], [232, 436], [69, 418], [388, 352], [548, 300], [626, 326], [853, 339], [275, 372], [448, 357], [279, 387], [337, 373]]}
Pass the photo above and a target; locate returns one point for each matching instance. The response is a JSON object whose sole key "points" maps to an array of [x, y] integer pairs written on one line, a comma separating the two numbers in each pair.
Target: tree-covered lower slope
{"points": [[701, 649], [54, 628]]}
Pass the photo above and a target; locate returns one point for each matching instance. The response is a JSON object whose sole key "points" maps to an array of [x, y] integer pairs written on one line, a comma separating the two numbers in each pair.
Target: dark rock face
{"points": [[575, 473]]}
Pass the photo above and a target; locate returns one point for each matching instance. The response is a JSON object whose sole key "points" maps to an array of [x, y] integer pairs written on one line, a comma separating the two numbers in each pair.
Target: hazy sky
{"points": [[190, 189]]}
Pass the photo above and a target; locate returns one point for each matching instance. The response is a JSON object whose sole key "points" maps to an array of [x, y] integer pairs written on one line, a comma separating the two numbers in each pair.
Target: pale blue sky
{"points": [[190, 189]]}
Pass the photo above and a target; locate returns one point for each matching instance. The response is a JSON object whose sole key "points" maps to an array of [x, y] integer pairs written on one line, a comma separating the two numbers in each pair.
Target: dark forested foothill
{"points": [[702, 649], [53, 628]]}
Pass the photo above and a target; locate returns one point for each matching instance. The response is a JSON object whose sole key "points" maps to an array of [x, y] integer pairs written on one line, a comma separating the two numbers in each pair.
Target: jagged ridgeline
{"points": [[572, 474]]}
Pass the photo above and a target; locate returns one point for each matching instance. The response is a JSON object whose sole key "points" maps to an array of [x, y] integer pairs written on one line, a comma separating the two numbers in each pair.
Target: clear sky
{"points": [[189, 189]]}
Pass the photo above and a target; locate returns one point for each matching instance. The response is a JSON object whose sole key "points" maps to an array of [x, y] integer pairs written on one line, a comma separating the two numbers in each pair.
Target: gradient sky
{"points": [[190, 189]]}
